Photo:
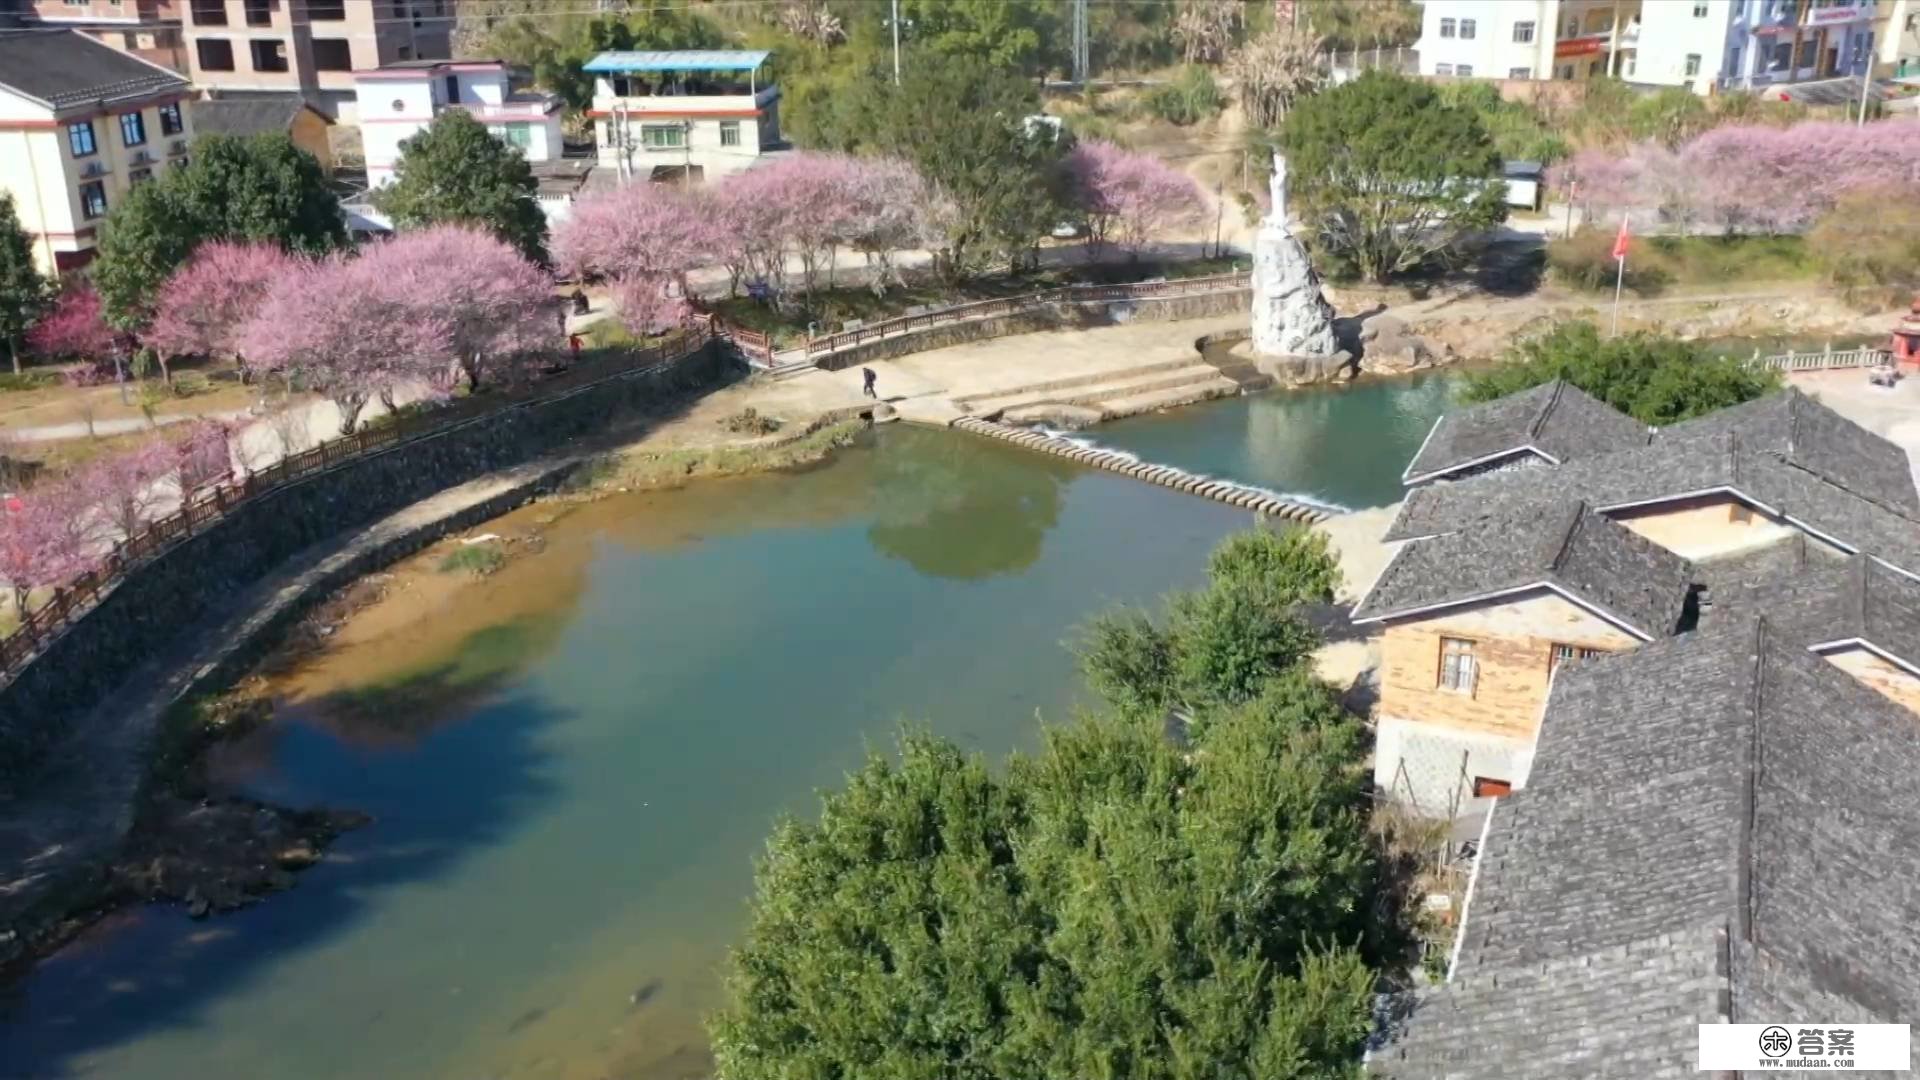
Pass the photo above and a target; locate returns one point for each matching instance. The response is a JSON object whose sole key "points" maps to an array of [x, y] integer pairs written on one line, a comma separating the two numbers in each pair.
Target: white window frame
{"points": [[729, 133], [1465, 71], [1448, 28], [1692, 67], [1520, 73], [1523, 32], [1468, 28], [677, 142], [1459, 667]]}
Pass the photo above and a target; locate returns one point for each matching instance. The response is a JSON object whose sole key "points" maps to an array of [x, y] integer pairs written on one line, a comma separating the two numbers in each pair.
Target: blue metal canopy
{"points": [[677, 60]]}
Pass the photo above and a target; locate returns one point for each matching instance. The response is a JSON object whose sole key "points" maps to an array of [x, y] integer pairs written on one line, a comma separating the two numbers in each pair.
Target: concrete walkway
{"points": [[77, 810]]}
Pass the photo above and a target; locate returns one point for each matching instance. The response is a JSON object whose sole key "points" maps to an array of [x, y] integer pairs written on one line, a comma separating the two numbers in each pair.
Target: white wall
{"points": [[1492, 52], [1671, 31]]}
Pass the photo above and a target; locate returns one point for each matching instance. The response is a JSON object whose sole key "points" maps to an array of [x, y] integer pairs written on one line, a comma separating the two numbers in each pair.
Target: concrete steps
{"points": [[1147, 401], [1063, 388], [1259, 502], [1194, 380]]}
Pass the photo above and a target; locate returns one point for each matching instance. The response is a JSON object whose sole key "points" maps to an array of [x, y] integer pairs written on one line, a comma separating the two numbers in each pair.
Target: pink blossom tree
{"points": [[646, 307], [339, 327], [498, 308], [205, 453], [1129, 198], [75, 327], [202, 308], [123, 490], [891, 208], [640, 230], [43, 541]]}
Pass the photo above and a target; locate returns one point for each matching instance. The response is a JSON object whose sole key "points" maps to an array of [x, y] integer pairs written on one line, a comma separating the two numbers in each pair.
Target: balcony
{"points": [[176, 148], [140, 157], [93, 169]]}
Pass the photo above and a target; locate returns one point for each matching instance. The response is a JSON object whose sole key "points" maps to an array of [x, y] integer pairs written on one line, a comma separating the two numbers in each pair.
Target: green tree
{"points": [[1122, 903], [556, 48], [260, 188], [1002, 34], [1659, 380], [1004, 178], [23, 292], [1389, 174], [455, 172]]}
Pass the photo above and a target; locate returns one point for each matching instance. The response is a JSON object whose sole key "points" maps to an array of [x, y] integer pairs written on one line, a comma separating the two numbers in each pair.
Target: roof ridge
{"points": [[1546, 410], [1565, 533], [1749, 785], [1859, 582]]}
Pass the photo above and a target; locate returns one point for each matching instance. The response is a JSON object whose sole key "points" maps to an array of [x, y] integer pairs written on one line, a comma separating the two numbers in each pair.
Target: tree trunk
{"points": [[350, 407], [13, 350]]}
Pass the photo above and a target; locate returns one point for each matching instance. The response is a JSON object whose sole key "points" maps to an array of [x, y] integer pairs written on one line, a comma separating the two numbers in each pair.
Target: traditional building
{"points": [[259, 114], [1551, 424], [1721, 828], [683, 115], [80, 123]]}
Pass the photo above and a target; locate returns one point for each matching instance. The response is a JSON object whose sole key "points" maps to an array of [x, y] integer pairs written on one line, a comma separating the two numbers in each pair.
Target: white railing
{"points": [[1826, 359]]}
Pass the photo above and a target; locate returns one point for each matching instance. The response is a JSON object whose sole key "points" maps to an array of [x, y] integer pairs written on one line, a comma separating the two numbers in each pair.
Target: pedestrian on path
{"points": [[867, 377], [573, 345]]}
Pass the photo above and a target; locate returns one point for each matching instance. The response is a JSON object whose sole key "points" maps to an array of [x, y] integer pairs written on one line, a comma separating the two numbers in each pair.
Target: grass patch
{"points": [[476, 559], [1657, 263], [749, 421], [665, 468], [28, 380]]}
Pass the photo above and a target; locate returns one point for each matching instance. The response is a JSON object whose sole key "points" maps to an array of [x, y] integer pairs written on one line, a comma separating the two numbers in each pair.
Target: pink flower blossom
{"points": [[202, 308], [1129, 198]]}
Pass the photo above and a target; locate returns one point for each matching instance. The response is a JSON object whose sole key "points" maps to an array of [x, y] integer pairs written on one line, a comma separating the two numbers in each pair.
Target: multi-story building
{"points": [[150, 29], [80, 122], [1896, 32], [309, 47], [396, 101], [1526, 39], [1774, 41], [695, 114]]}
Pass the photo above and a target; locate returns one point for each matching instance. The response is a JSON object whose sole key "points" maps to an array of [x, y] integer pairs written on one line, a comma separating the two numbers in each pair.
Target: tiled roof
{"points": [[1556, 420], [64, 68], [1566, 546], [1717, 825], [1815, 599], [1666, 470], [250, 115], [1806, 433]]}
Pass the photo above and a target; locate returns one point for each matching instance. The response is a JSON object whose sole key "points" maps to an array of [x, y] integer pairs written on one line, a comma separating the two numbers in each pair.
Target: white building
{"points": [[397, 101], [1525, 39], [663, 115]]}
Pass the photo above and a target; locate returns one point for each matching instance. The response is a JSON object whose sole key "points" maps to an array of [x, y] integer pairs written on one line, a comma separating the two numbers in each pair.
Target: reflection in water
{"points": [[1002, 500], [572, 763]]}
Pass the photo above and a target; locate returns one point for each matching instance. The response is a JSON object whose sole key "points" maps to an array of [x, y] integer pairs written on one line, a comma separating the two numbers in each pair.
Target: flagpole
{"points": [[1619, 273]]}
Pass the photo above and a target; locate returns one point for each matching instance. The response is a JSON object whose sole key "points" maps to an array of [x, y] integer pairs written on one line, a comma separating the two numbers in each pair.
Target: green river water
{"points": [[572, 763]]}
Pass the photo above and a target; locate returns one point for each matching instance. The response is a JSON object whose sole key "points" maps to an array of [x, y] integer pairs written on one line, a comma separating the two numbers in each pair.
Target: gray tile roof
{"points": [[1556, 419], [1724, 782], [253, 114], [1814, 599], [64, 68], [1565, 545], [1664, 471], [1804, 432]]}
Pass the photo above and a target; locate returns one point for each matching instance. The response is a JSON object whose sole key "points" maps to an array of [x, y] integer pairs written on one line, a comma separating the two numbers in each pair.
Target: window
{"points": [[1595, 68], [1457, 668], [1573, 26], [209, 12], [1443, 69], [1599, 22], [729, 133], [133, 129], [269, 54], [406, 52], [1466, 29], [1523, 33], [663, 136], [1628, 65], [1733, 61], [93, 199], [326, 10], [1447, 28], [170, 122], [80, 138], [1567, 654], [259, 12], [139, 176], [520, 135], [216, 54], [1566, 71], [1782, 56], [332, 54], [1486, 787], [1700, 9], [1519, 73], [1693, 64], [1463, 70]]}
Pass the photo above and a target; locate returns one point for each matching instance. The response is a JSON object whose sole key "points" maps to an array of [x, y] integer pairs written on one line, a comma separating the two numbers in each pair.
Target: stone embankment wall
{"points": [[1052, 317], [158, 602]]}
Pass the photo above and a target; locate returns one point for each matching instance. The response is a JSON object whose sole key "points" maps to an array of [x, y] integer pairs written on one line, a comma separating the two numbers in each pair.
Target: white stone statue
{"points": [[1277, 187]]}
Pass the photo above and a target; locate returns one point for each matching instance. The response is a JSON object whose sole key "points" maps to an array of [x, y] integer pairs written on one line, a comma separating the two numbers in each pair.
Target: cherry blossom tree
{"points": [[891, 208], [342, 329], [646, 306], [205, 453], [43, 542], [639, 230], [202, 308], [498, 307], [124, 490], [1128, 197], [75, 328]]}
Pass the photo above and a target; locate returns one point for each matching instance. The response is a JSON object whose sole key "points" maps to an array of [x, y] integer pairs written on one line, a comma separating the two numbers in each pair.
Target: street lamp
{"points": [[894, 24]]}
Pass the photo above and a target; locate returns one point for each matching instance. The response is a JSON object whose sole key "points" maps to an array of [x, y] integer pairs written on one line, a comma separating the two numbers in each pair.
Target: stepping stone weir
{"points": [[1165, 476]]}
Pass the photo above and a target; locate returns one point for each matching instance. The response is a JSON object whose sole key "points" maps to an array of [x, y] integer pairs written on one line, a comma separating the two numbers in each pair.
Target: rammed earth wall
{"points": [[166, 597]]}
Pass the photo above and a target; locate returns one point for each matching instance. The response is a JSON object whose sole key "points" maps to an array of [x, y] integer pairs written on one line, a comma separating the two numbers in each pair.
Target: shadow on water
{"points": [[963, 509], [153, 969]]}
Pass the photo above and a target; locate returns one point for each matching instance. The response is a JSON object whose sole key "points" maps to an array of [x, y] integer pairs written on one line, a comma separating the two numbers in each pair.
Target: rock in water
{"points": [[1290, 316]]}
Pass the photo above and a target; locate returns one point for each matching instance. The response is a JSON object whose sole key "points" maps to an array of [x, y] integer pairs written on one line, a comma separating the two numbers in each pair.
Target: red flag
{"points": [[1620, 242]]}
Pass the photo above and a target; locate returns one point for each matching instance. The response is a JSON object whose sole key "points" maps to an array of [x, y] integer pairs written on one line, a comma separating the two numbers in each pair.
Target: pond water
{"points": [[573, 762]]}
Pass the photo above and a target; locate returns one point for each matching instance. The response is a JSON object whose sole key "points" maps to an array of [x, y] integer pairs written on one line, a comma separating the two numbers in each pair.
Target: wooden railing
{"points": [[757, 347], [1826, 359], [983, 309], [210, 504]]}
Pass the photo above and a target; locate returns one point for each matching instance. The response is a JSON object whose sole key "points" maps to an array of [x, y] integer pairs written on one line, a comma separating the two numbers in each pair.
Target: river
{"points": [[573, 761]]}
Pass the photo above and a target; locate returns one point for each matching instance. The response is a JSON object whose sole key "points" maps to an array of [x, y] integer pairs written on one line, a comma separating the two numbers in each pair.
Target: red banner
{"points": [[1584, 46]]}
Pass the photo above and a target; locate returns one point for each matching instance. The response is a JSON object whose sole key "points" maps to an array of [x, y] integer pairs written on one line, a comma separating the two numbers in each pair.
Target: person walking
{"points": [[867, 377]]}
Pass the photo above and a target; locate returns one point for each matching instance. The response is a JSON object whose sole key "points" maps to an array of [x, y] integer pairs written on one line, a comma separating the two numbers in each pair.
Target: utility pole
{"points": [[686, 154], [895, 23], [1080, 64], [1866, 84]]}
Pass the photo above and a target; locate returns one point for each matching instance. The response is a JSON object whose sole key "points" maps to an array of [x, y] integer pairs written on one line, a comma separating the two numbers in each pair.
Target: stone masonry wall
{"points": [[164, 598], [1052, 317]]}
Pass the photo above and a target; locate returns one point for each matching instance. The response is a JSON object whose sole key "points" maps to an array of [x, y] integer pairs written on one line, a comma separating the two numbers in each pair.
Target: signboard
{"points": [[1581, 46], [1831, 15]]}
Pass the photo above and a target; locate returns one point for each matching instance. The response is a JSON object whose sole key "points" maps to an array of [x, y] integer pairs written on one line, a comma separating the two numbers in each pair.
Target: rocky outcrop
{"points": [[1291, 317], [1388, 347]]}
